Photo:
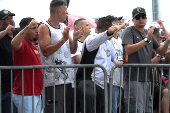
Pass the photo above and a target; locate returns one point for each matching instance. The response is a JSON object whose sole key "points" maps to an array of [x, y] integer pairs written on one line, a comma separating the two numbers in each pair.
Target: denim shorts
{"points": [[28, 108]]}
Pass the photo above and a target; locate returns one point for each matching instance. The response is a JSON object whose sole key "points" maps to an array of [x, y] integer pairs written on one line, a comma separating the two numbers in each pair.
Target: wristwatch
{"points": [[146, 40], [158, 55]]}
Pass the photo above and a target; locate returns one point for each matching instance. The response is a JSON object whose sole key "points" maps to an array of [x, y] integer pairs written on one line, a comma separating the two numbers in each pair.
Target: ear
{"points": [[59, 11], [79, 27]]}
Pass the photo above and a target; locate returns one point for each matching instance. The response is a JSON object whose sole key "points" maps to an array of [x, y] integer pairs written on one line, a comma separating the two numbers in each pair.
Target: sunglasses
{"points": [[137, 17]]}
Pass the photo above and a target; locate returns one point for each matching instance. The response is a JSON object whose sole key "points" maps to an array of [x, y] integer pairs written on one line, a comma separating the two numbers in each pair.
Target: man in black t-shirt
{"points": [[7, 32]]}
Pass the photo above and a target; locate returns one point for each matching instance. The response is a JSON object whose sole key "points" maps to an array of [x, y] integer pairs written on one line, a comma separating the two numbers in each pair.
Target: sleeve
{"points": [[21, 49], [94, 41], [127, 36]]}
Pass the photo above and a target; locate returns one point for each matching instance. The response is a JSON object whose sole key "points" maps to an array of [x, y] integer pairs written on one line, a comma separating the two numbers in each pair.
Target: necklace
{"points": [[107, 51], [52, 24]]}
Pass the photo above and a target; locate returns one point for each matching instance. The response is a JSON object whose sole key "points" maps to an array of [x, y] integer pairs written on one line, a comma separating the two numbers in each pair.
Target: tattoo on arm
{"points": [[2, 34], [24, 30]]}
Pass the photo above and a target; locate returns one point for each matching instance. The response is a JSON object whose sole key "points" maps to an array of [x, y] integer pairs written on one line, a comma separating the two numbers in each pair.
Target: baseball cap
{"points": [[114, 18], [4, 13], [137, 11]]}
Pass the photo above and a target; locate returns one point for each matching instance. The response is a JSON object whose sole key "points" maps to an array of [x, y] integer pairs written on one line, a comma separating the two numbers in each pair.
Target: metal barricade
{"points": [[43, 93], [147, 68]]}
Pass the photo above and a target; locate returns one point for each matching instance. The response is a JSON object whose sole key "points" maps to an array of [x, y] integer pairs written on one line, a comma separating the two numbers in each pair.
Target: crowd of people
{"points": [[49, 43]]}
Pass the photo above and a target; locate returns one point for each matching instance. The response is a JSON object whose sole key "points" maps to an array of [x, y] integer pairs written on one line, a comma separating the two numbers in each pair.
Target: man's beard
{"points": [[35, 39]]}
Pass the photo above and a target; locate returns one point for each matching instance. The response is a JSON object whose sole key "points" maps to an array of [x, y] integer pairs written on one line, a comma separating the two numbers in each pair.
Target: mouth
{"points": [[37, 35]]}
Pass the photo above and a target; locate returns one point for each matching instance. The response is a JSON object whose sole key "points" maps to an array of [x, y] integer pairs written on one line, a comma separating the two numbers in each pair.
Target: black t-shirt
{"points": [[6, 60], [143, 55]]}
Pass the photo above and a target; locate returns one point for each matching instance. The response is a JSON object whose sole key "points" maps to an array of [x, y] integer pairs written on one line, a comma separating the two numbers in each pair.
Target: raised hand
{"points": [[125, 24], [77, 33], [66, 33], [161, 25], [150, 33], [33, 23], [9, 29], [112, 29]]}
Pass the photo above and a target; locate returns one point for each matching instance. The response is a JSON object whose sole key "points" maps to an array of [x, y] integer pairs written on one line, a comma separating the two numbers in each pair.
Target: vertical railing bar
{"points": [[33, 94], [64, 90], [75, 90], [110, 89], [106, 92], [145, 88], [120, 94], [0, 94], [43, 96], [137, 89], [84, 92], [153, 87], [22, 91], [168, 92], [129, 88], [11, 91], [54, 91], [160, 92], [95, 92]]}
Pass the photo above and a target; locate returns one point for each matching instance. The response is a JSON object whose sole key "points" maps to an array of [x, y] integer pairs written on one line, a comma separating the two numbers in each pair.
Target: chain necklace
{"points": [[52, 24]]}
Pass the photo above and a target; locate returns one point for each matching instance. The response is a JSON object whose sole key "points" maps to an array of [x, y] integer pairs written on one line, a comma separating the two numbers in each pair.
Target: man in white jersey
{"points": [[56, 47], [117, 75], [96, 50]]}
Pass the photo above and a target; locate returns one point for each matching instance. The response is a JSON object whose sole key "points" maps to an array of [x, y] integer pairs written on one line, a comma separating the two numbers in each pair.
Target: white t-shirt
{"points": [[117, 44]]}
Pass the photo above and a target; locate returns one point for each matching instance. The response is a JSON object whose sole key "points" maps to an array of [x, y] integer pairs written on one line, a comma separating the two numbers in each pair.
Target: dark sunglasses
{"points": [[137, 17]]}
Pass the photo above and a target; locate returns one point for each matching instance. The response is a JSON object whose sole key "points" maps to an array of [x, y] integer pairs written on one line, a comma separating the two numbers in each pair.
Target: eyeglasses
{"points": [[137, 17]]}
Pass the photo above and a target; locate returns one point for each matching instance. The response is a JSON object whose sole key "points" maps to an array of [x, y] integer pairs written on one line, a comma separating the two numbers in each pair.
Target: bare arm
{"points": [[77, 59], [16, 42], [162, 49], [44, 40], [73, 43], [155, 59], [134, 47], [8, 30]]}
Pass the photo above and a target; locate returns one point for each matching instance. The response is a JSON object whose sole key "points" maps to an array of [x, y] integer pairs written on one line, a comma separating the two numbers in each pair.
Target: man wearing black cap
{"points": [[7, 32], [116, 41], [138, 44]]}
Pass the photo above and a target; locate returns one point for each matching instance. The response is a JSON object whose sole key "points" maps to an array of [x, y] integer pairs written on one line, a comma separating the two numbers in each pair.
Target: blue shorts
{"points": [[17, 99]]}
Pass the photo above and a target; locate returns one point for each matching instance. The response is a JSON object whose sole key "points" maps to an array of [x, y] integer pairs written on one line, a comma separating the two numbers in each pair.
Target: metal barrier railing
{"points": [[153, 78], [43, 93]]}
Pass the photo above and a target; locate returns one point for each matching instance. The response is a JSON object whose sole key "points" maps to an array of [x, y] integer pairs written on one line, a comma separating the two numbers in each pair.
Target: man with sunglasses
{"points": [[138, 44]]}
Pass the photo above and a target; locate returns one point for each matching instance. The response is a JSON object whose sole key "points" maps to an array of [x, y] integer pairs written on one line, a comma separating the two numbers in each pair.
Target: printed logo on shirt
{"points": [[36, 51], [137, 37]]}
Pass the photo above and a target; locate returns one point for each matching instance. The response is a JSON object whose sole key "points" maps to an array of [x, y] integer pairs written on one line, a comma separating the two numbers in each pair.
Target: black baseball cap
{"points": [[4, 13], [138, 10], [114, 18]]}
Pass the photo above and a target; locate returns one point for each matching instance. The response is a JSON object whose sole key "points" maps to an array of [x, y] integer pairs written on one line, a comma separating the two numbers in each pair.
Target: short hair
{"points": [[78, 21], [24, 22], [104, 23], [55, 4]]}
